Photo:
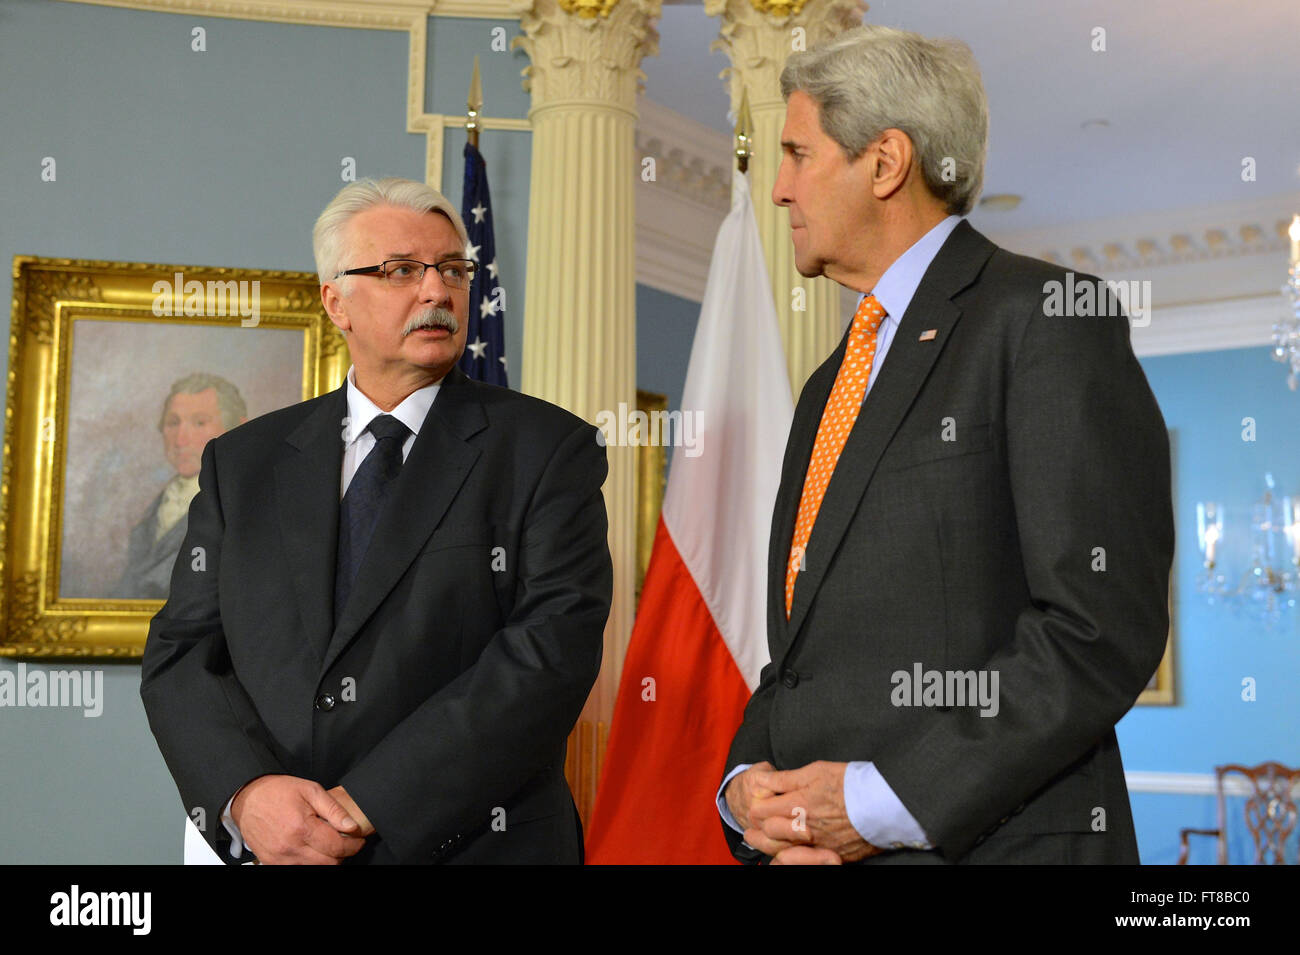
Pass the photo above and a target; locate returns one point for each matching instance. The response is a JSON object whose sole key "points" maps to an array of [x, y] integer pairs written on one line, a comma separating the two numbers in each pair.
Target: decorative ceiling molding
{"points": [[691, 159], [1245, 238], [1153, 241], [364, 14], [410, 17], [1212, 275], [679, 211]]}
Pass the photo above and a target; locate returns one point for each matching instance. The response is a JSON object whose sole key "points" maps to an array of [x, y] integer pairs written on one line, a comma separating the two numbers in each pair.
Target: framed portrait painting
{"points": [[1159, 690], [120, 373]]}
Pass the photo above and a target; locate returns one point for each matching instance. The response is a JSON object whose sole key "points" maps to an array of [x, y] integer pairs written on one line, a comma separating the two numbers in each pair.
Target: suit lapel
{"points": [[437, 466], [906, 366], [307, 500]]}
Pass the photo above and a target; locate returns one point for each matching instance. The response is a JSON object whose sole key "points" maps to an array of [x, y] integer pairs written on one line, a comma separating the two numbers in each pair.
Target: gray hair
{"points": [[873, 78], [229, 401], [327, 237]]}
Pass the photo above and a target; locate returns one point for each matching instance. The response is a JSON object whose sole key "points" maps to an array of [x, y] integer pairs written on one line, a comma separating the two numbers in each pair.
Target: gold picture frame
{"points": [[1159, 690], [89, 344]]}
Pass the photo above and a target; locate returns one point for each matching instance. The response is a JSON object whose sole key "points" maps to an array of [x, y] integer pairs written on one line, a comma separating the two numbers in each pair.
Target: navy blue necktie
{"points": [[363, 501]]}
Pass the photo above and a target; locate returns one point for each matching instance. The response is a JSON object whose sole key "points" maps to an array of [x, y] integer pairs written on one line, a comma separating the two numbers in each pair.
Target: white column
{"points": [[579, 305]]}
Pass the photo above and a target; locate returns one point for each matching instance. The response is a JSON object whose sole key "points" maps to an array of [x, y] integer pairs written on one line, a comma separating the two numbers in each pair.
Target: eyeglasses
{"points": [[456, 273]]}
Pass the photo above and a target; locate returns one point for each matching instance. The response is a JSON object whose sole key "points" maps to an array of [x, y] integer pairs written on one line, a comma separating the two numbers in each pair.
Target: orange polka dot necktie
{"points": [[841, 412]]}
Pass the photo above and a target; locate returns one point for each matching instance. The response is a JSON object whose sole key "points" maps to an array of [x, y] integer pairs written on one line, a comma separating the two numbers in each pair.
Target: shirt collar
{"points": [[361, 410], [180, 487], [896, 287]]}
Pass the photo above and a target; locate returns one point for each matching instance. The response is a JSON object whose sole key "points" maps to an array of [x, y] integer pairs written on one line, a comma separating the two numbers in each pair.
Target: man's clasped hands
{"points": [[288, 820], [797, 816]]}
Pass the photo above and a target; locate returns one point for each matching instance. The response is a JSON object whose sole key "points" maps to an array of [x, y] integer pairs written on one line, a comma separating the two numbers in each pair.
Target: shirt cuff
{"points": [[237, 844], [723, 811], [877, 813]]}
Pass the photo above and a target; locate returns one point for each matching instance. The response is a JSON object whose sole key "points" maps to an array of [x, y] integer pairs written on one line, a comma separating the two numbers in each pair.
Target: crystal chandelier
{"points": [[1267, 591], [1286, 333]]}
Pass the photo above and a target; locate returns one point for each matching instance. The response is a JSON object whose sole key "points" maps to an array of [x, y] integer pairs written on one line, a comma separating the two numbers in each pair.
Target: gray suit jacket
{"points": [[149, 562], [978, 554]]}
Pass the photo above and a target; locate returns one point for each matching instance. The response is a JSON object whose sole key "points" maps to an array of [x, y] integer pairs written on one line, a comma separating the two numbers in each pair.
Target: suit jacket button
{"points": [[789, 679], [325, 702]]}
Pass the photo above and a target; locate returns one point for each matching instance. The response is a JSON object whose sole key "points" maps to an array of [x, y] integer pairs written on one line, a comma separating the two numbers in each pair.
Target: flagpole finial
{"points": [[744, 133], [474, 104]]}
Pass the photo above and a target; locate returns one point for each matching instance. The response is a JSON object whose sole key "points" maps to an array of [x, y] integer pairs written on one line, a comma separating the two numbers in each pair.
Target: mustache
{"points": [[432, 317]]}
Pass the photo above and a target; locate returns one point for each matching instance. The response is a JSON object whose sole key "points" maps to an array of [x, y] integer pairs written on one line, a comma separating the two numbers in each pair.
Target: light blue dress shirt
{"points": [[875, 811]]}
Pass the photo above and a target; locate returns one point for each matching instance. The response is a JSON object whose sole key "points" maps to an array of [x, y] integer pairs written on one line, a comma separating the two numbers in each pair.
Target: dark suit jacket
{"points": [[978, 554], [470, 641], [149, 561]]}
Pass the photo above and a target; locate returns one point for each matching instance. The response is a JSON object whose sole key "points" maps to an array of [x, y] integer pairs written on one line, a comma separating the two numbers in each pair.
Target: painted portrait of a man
{"points": [[199, 407]]}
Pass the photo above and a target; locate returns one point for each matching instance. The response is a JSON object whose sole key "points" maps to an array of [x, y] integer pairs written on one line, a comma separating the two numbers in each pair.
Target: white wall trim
{"points": [[1185, 784], [674, 243], [434, 127], [1244, 322]]}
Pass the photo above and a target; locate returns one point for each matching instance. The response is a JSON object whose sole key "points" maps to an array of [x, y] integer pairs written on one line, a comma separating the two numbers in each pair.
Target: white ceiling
{"points": [[1189, 89]]}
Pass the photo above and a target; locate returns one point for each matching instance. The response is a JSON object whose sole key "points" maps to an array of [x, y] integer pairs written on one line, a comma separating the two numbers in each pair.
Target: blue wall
{"points": [[222, 158], [1204, 398], [665, 331], [453, 43]]}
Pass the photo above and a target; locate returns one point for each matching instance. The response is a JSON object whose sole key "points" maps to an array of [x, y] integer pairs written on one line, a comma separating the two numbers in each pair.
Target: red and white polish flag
{"points": [[700, 634]]}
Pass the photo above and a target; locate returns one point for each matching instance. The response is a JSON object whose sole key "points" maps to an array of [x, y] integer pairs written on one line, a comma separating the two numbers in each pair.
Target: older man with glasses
{"points": [[388, 609]]}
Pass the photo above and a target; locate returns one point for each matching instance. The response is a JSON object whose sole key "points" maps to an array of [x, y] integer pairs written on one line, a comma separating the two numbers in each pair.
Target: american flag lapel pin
{"points": [[928, 335]]}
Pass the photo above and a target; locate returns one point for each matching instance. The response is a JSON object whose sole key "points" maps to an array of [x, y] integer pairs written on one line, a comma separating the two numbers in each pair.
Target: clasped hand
{"points": [[294, 821], [797, 816]]}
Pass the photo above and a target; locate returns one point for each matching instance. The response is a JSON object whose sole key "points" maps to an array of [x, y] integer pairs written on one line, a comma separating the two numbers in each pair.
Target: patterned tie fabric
{"points": [[364, 500], [837, 421]]}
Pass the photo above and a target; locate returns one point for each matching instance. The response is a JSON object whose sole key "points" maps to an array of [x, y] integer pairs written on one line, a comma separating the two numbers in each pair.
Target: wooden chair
{"points": [[1270, 812]]}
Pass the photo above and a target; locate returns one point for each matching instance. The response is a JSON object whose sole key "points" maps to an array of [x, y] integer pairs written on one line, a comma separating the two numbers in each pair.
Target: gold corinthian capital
{"points": [[779, 8], [587, 9]]}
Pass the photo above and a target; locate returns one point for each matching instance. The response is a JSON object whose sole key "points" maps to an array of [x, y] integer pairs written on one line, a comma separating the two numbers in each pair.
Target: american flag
{"points": [[485, 342]]}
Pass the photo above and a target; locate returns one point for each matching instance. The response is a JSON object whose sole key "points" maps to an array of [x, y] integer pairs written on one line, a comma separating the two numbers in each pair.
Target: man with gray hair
{"points": [[971, 545], [199, 407], [389, 607]]}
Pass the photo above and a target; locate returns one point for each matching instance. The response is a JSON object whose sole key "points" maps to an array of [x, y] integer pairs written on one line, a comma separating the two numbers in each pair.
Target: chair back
{"points": [[1270, 809]]}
